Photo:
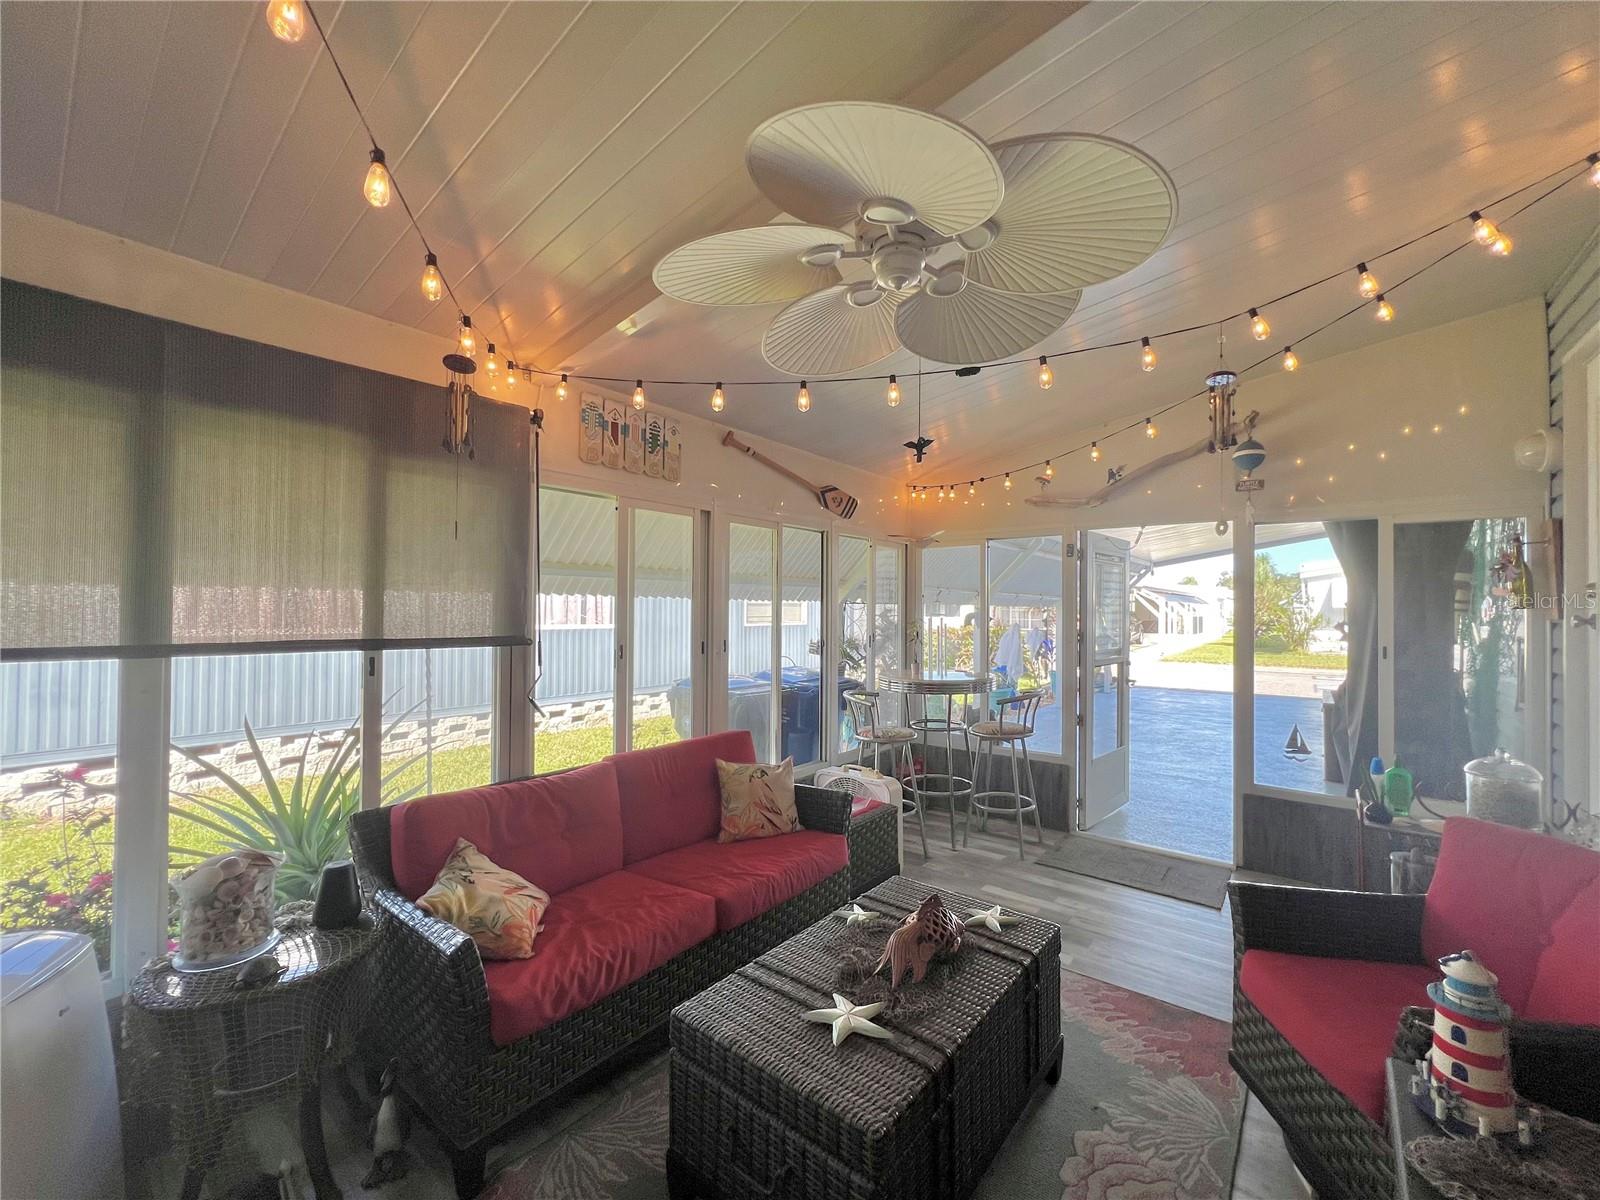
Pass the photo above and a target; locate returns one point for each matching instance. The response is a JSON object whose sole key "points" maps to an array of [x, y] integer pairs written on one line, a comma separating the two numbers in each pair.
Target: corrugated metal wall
{"points": [[63, 711], [1572, 307]]}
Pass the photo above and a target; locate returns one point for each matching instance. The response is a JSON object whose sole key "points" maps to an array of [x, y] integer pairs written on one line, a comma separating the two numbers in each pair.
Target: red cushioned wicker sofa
{"points": [[1321, 978], [647, 908]]}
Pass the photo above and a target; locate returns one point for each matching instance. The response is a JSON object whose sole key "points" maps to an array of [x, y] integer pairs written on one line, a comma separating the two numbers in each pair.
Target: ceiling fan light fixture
{"points": [[898, 265], [822, 256], [863, 295]]}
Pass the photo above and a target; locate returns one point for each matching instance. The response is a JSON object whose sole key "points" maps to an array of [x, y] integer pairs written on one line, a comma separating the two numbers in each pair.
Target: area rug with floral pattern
{"points": [[1147, 1109]]}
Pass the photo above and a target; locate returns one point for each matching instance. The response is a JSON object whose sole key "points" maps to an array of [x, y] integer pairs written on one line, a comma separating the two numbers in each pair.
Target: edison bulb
{"points": [[718, 400], [1049, 470], [802, 400], [638, 393], [1094, 451], [1385, 310], [287, 20], [490, 363], [1046, 375], [1259, 329], [972, 489], [467, 343], [894, 392], [1484, 231], [1291, 360], [1368, 284], [1008, 481], [432, 281], [1147, 355], [1150, 429], [511, 373], [561, 389], [1594, 169], [1501, 246], [377, 187]]}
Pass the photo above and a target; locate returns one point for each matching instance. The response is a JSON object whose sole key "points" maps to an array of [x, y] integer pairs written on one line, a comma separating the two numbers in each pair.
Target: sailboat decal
{"points": [[1296, 747]]}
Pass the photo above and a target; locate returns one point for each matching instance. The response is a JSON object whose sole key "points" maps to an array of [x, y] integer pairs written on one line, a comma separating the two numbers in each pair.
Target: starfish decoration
{"points": [[847, 1018], [994, 918], [856, 915]]}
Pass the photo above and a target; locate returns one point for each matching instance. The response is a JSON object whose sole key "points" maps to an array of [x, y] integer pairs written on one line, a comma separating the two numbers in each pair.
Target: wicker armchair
{"points": [[1341, 1150], [435, 1002]]}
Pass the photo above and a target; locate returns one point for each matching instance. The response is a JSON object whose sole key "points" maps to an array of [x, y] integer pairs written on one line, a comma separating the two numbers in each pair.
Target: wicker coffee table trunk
{"points": [[763, 1104]]}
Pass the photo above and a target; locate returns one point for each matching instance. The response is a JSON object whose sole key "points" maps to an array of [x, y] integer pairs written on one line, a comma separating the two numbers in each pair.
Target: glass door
{"points": [[1104, 678], [852, 583], [662, 647], [748, 563], [888, 629]]}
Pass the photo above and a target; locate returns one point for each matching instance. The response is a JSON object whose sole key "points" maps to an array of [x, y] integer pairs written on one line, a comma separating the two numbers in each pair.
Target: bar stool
{"points": [[871, 731], [1012, 727], [949, 725]]}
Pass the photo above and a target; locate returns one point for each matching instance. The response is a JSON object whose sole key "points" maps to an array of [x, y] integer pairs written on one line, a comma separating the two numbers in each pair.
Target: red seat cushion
{"points": [[747, 878], [1566, 979], [557, 831], [670, 795], [1340, 1014], [1498, 892], [598, 937]]}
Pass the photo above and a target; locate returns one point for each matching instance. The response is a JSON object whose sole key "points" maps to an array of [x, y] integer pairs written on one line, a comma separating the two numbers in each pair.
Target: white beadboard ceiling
{"points": [[555, 151]]}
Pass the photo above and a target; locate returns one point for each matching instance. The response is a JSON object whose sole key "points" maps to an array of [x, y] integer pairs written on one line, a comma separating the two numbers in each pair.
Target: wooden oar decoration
{"points": [[837, 501]]}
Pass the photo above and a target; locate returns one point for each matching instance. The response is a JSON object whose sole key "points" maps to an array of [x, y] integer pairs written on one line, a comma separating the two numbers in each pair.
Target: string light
{"points": [[490, 364], [511, 372], [1046, 375], [1385, 310], [561, 388], [718, 400], [1594, 169], [376, 187], [1008, 481], [1150, 429], [432, 281], [1049, 471], [894, 392], [1147, 355], [1501, 246], [287, 20], [638, 393], [971, 490], [1259, 329], [1291, 360], [467, 342], [1368, 284], [1484, 231], [803, 400], [1094, 451]]}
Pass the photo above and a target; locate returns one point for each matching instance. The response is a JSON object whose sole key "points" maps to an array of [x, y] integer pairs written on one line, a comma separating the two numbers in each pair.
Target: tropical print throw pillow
{"points": [[497, 908], [757, 800]]}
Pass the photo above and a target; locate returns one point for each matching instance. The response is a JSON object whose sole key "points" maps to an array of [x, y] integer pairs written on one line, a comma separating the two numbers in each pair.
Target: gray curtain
{"points": [[170, 490], [1354, 725]]}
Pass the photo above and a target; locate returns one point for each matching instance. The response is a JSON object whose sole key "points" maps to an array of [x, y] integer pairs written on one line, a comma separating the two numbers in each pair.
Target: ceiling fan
{"points": [[909, 231]]}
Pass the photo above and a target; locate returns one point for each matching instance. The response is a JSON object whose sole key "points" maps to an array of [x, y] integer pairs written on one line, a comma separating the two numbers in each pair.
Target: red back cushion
{"points": [[670, 795], [556, 832], [1498, 892], [1566, 981]]}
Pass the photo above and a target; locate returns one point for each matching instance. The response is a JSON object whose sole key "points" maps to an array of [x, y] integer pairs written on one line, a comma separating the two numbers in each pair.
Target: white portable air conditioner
{"points": [[60, 1127]]}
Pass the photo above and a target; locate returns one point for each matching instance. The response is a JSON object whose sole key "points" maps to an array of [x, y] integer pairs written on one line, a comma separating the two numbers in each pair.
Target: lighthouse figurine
{"points": [[1464, 1080]]}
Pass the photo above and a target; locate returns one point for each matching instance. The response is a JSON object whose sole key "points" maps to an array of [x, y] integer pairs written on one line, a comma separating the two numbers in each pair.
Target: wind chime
{"points": [[458, 392]]}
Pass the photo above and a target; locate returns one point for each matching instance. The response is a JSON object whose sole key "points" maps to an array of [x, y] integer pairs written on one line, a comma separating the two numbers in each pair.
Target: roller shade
{"points": [[168, 490]]}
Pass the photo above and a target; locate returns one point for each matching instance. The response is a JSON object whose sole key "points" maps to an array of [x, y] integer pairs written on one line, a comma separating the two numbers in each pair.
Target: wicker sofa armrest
{"points": [[1325, 922], [431, 981], [1556, 1066], [823, 809]]}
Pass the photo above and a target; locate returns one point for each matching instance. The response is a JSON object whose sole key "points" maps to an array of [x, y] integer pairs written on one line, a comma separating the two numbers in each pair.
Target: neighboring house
{"points": [[1169, 612], [1323, 585]]}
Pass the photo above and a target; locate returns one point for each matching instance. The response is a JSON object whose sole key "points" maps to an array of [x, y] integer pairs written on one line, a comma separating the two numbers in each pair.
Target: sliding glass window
{"points": [[438, 720], [663, 642], [577, 660], [888, 629], [852, 577]]}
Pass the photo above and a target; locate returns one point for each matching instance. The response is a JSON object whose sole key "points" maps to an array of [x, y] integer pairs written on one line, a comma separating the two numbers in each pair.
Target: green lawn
{"points": [[1220, 653], [34, 849]]}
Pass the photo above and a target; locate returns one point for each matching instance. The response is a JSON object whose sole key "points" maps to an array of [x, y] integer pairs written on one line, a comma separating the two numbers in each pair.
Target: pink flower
{"points": [[99, 882], [58, 900], [1106, 1167], [78, 773]]}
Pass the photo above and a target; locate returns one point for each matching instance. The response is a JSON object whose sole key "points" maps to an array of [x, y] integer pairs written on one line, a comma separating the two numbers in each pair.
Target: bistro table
{"points": [[222, 1048], [945, 686]]}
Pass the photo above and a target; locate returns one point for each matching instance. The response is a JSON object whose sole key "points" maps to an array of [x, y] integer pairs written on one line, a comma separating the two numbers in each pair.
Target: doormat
{"points": [[1147, 1106], [1198, 883]]}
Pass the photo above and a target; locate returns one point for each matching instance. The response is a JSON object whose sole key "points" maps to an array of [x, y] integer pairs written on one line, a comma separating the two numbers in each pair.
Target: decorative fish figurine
{"points": [[930, 932]]}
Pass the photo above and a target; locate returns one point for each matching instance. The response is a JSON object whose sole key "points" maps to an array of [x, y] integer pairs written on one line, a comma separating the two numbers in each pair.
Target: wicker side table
{"points": [[219, 1049]]}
